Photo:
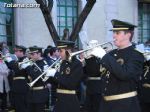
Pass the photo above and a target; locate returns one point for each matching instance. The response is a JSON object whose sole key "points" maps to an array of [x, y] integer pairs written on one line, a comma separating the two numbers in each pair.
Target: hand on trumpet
{"points": [[8, 57], [87, 55], [51, 72], [98, 52], [140, 48], [25, 63], [147, 57]]}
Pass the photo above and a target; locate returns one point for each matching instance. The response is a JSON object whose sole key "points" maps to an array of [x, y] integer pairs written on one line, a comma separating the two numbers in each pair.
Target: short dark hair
{"points": [[52, 50], [46, 51], [131, 32]]}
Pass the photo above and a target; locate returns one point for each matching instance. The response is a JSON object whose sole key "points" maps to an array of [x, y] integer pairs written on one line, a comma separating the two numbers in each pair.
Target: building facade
{"points": [[26, 26]]}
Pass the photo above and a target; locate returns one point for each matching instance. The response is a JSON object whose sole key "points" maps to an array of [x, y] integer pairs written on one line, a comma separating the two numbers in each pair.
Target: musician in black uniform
{"points": [[68, 79], [51, 55], [19, 85], [124, 66], [38, 93], [144, 90], [54, 55], [93, 81]]}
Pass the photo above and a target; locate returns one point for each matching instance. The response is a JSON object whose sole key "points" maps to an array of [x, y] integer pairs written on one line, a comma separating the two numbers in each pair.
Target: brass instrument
{"points": [[56, 67], [85, 50], [55, 64], [13, 56], [26, 61]]}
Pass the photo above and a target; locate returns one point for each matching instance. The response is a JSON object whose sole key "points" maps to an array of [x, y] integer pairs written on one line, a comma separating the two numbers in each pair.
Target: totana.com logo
{"points": [[13, 5]]}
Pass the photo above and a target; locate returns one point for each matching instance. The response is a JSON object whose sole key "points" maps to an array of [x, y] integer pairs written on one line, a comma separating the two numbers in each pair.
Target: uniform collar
{"points": [[126, 48]]}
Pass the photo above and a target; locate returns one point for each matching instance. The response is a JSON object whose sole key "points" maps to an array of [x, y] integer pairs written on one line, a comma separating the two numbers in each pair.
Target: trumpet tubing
{"points": [[85, 50], [57, 62], [20, 63]]}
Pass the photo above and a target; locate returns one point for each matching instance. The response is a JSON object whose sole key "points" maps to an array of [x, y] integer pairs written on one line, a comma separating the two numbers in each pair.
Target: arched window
{"points": [[6, 23], [67, 12]]}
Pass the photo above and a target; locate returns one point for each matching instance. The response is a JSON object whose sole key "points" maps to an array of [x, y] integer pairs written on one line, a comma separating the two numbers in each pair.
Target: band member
{"points": [[68, 79], [38, 93], [124, 67], [144, 90], [19, 85], [52, 55], [93, 83]]}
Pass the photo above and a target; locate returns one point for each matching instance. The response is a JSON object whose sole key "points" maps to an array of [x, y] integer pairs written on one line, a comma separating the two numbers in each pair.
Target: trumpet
{"points": [[13, 56], [57, 65], [85, 50], [26, 61]]}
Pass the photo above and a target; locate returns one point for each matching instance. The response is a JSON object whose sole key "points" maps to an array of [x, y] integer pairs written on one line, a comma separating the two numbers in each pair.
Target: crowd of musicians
{"points": [[112, 81]]}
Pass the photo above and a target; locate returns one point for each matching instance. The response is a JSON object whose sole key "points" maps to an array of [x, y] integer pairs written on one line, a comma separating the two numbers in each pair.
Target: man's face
{"points": [[63, 54], [120, 37], [18, 53], [34, 56], [57, 53]]}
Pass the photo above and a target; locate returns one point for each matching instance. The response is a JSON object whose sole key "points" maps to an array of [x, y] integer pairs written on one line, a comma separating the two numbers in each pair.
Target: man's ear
{"points": [[128, 34]]}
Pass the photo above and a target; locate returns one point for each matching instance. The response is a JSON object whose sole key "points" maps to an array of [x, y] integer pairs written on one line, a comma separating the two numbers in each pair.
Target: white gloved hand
{"points": [[87, 54], [8, 58], [98, 52], [140, 48], [51, 72], [25, 65], [147, 57], [45, 67]]}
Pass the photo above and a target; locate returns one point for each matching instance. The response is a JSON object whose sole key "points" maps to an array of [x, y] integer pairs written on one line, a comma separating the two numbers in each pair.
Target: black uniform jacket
{"points": [[68, 78], [124, 68], [144, 88], [92, 69], [38, 93], [19, 83]]}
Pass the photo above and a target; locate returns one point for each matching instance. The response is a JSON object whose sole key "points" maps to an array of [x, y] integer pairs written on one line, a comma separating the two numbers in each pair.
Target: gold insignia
{"points": [[120, 61], [102, 70], [68, 70], [146, 70], [107, 74]]}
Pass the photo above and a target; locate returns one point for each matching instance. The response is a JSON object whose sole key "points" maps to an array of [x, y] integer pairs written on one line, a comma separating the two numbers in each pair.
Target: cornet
{"points": [[85, 50], [26, 61], [56, 63], [13, 56], [56, 67]]}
